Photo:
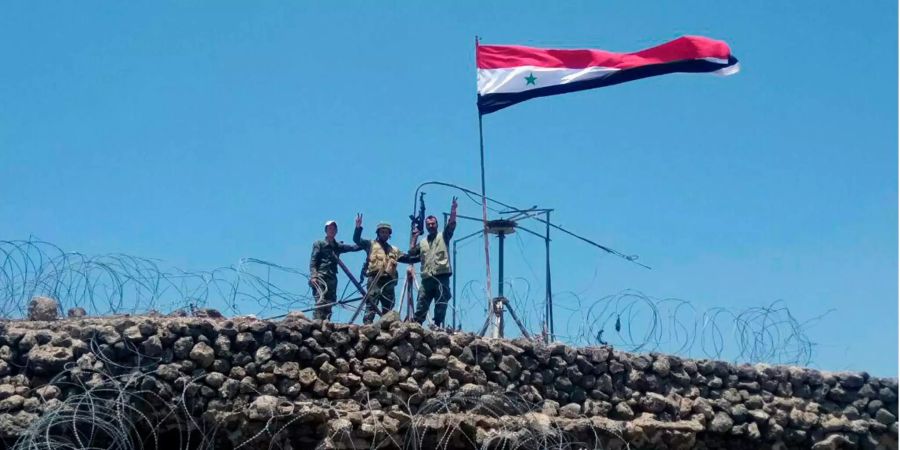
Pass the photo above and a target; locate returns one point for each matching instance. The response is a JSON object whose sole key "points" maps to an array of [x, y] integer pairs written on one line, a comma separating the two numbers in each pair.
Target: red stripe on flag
{"points": [[683, 48]]}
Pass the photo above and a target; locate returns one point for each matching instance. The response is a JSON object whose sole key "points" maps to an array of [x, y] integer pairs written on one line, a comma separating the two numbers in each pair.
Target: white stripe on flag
{"points": [[525, 78], [729, 70]]}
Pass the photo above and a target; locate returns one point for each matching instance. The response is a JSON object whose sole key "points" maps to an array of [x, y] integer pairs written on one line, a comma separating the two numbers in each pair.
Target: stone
{"points": [[48, 392], [802, 419], [290, 369], [262, 355], [487, 362], [754, 402], [885, 417], [616, 367], [215, 379], [472, 390], [511, 366], [721, 423], [76, 312], [570, 411], [182, 347], [320, 359], [389, 376], [873, 407], [244, 341], [550, 408], [208, 313], [350, 380], [623, 411], [147, 328], [203, 354], [404, 351], [133, 334], [263, 407], [836, 424], [428, 388], [285, 351], [739, 413], [852, 380], [338, 391], [372, 379], [410, 385], [152, 346], [661, 366], [641, 362], [653, 402], [887, 395], [12, 403], [440, 377], [851, 413], [833, 442], [386, 320], [373, 363], [6, 390], [50, 360], [327, 372], [43, 309], [605, 383], [437, 360], [753, 431]]}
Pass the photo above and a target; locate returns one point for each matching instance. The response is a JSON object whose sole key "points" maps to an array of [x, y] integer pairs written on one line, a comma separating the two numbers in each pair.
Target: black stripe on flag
{"points": [[494, 102]]}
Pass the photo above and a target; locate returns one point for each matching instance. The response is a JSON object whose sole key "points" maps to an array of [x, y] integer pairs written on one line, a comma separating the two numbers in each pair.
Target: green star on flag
{"points": [[530, 79]]}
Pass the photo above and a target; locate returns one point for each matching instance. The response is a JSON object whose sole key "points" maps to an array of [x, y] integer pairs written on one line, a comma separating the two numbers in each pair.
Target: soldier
{"points": [[436, 270], [381, 270], [323, 269]]}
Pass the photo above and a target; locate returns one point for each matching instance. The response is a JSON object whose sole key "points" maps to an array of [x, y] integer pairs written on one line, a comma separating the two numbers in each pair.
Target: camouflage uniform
{"points": [[381, 273], [323, 274]]}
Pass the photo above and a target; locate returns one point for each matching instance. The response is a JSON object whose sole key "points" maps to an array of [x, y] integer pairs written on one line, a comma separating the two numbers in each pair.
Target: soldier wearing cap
{"points": [[436, 270], [381, 268], [323, 269]]}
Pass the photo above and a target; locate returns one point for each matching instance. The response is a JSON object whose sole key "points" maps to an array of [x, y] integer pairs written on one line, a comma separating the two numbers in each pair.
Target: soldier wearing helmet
{"points": [[381, 268], [323, 269]]}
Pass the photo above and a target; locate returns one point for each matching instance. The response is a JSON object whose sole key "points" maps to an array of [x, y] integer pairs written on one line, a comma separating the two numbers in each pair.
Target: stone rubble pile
{"points": [[345, 385]]}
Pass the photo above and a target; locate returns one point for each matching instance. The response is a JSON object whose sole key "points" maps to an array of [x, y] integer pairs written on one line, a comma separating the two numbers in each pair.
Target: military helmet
{"points": [[384, 225]]}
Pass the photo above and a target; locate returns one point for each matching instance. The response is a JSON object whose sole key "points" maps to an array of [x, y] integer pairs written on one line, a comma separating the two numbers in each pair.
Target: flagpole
{"points": [[487, 253]]}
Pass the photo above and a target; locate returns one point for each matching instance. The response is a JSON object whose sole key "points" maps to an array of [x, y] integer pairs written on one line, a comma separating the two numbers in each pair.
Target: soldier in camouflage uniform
{"points": [[436, 270], [381, 269], [323, 269]]}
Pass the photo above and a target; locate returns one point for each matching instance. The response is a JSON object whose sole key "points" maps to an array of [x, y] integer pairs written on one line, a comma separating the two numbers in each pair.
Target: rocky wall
{"points": [[298, 383]]}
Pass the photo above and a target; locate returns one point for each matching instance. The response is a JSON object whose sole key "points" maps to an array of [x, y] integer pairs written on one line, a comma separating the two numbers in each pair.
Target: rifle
{"points": [[418, 221]]}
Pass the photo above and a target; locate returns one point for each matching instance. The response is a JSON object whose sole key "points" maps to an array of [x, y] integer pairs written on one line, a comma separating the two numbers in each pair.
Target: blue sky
{"points": [[200, 135]]}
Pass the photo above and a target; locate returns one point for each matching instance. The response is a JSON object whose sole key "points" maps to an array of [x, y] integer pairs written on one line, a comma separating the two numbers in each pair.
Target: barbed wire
{"points": [[123, 284], [111, 406], [633, 321], [630, 320]]}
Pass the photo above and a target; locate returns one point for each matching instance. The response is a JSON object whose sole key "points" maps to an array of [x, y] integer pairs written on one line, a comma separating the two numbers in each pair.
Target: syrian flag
{"points": [[509, 74]]}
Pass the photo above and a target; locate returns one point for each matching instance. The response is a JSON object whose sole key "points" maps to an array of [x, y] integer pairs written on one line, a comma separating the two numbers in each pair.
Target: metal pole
{"points": [[454, 286], [487, 252], [549, 288], [501, 237], [351, 277], [512, 312], [496, 306]]}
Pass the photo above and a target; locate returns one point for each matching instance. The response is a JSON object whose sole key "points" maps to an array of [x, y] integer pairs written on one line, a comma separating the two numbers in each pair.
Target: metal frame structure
{"points": [[500, 304], [538, 214]]}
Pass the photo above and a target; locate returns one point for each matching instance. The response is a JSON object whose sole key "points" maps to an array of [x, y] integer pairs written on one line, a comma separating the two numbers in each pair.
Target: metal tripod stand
{"points": [[499, 305]]}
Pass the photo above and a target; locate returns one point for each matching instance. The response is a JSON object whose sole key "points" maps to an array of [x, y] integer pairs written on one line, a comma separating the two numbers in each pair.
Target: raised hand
{"points": [[453, 205], [358, 220]]}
